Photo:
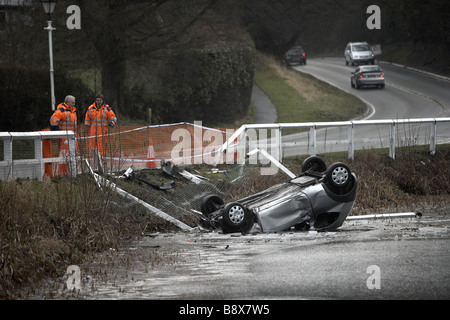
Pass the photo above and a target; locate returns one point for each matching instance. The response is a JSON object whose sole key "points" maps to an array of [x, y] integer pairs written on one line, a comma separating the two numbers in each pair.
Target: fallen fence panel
{"points": [[102, 181]]}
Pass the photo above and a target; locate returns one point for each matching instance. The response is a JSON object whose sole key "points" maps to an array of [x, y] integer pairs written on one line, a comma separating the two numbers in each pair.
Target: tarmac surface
{"points": [[395, 258], [265, 111]]}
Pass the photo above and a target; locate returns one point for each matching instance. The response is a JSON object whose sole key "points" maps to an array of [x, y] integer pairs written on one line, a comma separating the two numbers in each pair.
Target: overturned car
{"points": [[319, 198]]}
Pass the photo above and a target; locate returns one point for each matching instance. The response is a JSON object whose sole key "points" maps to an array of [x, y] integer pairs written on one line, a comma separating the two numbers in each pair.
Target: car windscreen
{"points": [[361, 47]]}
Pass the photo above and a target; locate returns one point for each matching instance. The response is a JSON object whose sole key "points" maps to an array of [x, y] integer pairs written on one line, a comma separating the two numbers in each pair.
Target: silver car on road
{"points": [[367, 76], [359, 53]]}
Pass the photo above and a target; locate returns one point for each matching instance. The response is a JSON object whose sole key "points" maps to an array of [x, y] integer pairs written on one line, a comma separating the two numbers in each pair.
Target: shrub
{"points": [[212, 85]]}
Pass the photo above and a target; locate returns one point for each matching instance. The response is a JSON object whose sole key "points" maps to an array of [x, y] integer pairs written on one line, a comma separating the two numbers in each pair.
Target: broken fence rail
{"points": [[102, 181], [386, 216]]}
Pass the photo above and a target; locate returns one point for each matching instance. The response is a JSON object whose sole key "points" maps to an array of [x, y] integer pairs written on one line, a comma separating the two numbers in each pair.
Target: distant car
{"points": [[320, 198], [295, 55], [367, 76], [359, 53]]}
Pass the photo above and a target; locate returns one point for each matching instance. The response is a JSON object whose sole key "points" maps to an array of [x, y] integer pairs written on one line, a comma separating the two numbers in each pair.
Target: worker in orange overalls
{"points": [[99, 117], [64, 118]]}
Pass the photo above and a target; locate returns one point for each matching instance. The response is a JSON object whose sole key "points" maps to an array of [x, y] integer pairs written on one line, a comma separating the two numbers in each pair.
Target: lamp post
{"points": [[49, 6]]}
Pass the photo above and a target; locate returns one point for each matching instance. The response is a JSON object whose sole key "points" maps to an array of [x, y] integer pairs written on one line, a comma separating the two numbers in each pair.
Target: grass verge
{"points": [[45, 226], [302, 98]]}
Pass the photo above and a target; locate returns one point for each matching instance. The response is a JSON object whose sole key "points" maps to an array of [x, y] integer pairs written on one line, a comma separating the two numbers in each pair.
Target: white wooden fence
{"points": [[33, 168], [306, 142], [278, 143]]}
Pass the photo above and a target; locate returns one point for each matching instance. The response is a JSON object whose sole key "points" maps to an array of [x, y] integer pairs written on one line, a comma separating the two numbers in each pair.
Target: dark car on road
{"points": [[318, 198], [367, 76], [295, 55]]}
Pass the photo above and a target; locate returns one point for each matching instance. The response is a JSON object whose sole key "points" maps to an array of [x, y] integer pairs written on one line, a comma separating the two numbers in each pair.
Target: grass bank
{"points": [[302, 98], [45, 226]]}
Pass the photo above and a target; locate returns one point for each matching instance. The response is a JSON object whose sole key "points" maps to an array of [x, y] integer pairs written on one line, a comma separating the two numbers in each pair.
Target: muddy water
{"points": [[163, 266], [172, 266]]}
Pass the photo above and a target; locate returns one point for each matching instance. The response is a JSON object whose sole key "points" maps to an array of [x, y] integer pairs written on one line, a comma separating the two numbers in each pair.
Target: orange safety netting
{"points": [[142, 147]]}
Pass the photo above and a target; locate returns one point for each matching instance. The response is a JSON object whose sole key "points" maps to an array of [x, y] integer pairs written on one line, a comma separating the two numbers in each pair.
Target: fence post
{"points": [[280, 146], [351, 142], [312, 139], [8, 156], [240, 148], [72, 156], [433, 137], [38, 155], [392, 141]]}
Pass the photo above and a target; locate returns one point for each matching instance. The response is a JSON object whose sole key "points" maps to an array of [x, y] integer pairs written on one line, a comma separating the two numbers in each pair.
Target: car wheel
{"points": [[234, 214], [210, 204], [351, 83], [338, 175], [315, 164], [356, 85]]}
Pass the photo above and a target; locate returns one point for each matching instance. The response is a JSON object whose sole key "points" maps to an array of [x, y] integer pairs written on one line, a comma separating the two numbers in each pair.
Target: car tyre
{"points": [[210, 204], [315, 164], [338, 175], [234, 214]]}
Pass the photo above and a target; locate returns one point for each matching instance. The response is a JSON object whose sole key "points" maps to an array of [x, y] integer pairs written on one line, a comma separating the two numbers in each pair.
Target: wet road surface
{"points": [[406, 258]]}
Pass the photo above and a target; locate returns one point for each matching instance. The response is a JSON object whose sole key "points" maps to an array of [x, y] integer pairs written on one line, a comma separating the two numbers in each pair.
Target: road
{"points": [[408, 95], [404, 258]]}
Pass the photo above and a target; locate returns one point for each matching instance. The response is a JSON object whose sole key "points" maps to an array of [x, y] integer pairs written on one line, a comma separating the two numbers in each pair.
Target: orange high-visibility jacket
{"points": [[98, 120], [64, 117]]}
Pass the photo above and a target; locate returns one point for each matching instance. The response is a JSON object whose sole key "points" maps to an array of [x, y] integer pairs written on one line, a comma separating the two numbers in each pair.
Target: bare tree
{"points": [[128, 30]]}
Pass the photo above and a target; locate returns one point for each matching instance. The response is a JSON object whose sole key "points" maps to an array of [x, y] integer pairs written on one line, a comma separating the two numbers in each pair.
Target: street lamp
{"points": [[49, 6]]}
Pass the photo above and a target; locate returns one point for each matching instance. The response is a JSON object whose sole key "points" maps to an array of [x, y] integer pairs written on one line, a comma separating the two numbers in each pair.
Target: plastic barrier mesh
{"points": [[140, 147], [178, 195], [146, 146]]}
